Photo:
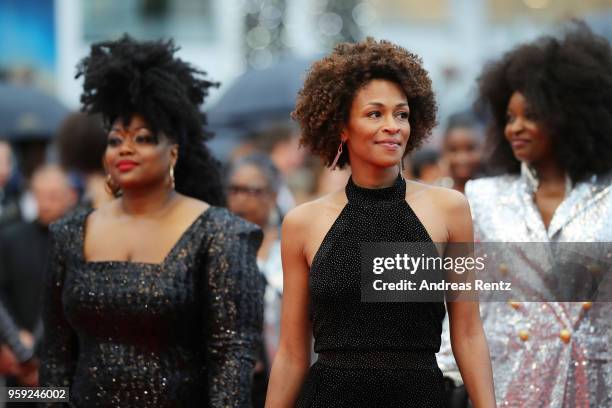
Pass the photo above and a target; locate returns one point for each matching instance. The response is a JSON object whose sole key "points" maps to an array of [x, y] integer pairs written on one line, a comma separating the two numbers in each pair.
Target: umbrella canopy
{"points": [[260, 96], [26, 113]]}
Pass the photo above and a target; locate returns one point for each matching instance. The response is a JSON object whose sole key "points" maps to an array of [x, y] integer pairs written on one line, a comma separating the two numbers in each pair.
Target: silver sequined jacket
{"points": [[544, 354]]}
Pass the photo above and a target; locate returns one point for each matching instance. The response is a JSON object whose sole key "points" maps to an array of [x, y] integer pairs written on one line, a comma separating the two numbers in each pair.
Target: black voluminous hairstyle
{"points": [[125, 77], [567, 83]]}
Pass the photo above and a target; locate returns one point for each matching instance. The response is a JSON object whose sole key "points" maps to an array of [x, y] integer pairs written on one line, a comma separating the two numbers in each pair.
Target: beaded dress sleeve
{"points": [[59, 349], [235, 308]]}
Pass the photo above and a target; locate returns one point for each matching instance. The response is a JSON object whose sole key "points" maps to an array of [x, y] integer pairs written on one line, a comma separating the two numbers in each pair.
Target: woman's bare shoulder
{"points": [[304, 215], [446, 199], [108, 210], [305, 226], [191, 206], [308, 210]]}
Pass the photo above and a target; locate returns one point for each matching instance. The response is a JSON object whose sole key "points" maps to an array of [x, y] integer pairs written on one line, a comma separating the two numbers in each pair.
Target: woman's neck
{"points": [[459, 185], [147, 201], [270, 236], [549, 172], [369, 176]]}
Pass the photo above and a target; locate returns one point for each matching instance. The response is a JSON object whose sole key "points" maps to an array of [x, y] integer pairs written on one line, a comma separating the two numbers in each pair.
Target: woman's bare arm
{"points": [[293, 356], [467, 335]]}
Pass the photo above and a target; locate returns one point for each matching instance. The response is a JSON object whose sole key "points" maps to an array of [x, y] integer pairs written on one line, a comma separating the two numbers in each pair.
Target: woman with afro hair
{"points": [[367, 105], [154, 299], [550, 137]]}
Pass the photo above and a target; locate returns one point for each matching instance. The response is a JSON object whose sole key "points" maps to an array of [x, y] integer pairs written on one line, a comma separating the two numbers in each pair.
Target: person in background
{"points": [[426, 165], [24, 246], [6, 165], [462, 158], [30, 154], [81, 141], [462, 149], [282, 144], [9, 209], [16, 351], [243, 148], [252, 187]]}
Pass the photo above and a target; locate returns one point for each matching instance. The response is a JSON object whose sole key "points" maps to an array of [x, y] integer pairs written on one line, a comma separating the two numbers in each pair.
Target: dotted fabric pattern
{"points": [[182, 333], [370, 354]]}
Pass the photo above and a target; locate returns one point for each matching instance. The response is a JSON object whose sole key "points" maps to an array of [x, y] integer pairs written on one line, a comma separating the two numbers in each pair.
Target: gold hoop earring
{"points": [[335, 162], [110, 187]]}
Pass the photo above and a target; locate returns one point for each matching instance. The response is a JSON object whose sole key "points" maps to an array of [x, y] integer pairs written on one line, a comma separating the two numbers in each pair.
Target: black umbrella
{"points": [[26, 113], [253, 101], [260, 96]]}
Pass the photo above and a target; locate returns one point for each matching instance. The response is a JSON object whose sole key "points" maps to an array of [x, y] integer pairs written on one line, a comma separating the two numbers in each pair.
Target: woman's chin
{"points": [[133, 185], [523, 156]]}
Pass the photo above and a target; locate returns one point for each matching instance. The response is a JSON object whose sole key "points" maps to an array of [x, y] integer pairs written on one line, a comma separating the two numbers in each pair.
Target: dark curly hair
{"points": [[126, 76], [567, 83], [324, 102]]}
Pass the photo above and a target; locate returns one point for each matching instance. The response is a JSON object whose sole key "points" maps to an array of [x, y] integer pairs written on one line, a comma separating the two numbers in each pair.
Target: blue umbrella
{"points": [[27, 113]]}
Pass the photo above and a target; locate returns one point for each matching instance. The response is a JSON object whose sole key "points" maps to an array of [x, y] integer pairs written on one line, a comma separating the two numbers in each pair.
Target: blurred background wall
{"points": [[42, 40], [259, 50]]}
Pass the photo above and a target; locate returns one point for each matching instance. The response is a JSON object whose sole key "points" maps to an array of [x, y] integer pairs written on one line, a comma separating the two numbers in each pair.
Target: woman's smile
{"points": [[389, 144]]}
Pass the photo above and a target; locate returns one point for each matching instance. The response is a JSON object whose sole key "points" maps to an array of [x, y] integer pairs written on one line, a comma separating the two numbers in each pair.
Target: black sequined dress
{"points": [[370, 354], [182, 333]]}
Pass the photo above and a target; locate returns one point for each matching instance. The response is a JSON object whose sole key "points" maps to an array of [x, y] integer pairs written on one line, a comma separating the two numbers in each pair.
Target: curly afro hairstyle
{"points": [[125, 77], [324, 102], [567, 83]]}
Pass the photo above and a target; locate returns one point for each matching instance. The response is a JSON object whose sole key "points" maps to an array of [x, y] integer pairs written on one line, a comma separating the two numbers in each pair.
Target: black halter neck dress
{"points": [[370, 354]]}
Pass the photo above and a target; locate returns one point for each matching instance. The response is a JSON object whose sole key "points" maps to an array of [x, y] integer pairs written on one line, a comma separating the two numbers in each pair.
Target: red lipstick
{"points": [[126, 165]]}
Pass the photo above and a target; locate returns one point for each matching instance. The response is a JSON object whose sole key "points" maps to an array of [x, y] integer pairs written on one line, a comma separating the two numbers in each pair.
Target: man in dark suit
{"points": [[23, 254]]}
